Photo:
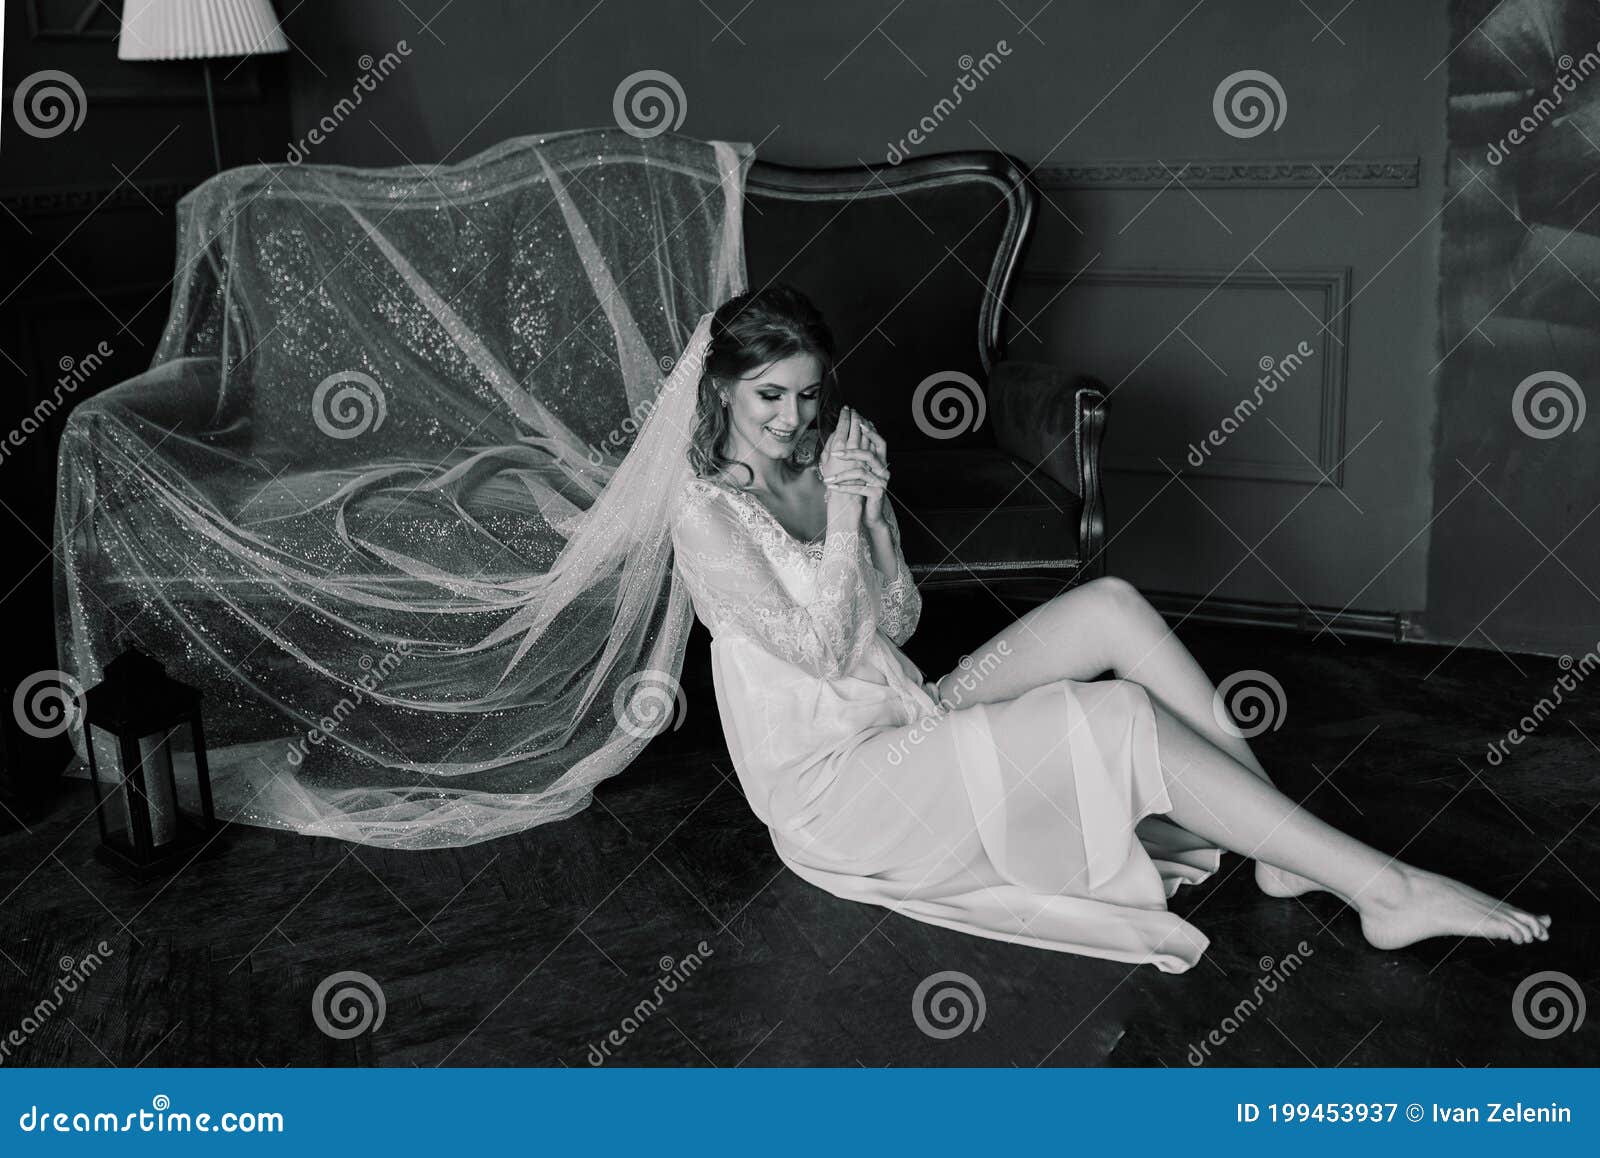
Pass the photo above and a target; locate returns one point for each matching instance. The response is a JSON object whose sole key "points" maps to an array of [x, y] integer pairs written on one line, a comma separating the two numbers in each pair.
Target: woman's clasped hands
{"points": [[855, 462]]}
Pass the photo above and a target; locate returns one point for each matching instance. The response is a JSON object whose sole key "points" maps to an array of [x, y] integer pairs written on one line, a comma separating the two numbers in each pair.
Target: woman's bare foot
{"points": [[1277, 882], [1418, 904]]}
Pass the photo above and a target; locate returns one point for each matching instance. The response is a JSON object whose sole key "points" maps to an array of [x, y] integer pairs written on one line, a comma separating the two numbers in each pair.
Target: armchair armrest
{"points": [[1055, 421]]}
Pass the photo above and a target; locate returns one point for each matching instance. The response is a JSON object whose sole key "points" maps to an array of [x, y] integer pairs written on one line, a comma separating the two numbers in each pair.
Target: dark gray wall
{"points": [[87, 234], [838, 83]]}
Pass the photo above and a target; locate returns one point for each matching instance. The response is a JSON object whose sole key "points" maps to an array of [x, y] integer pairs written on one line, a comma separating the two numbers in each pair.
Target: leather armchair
{"points": [[912, 265]]}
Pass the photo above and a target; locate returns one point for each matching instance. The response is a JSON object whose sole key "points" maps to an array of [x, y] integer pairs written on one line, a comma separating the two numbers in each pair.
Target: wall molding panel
{"points": [[83, 199], [1329, 289], [1211, 173]]}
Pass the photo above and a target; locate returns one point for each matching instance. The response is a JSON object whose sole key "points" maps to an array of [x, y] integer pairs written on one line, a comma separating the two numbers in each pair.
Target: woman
{"points": [[1032, 803]]}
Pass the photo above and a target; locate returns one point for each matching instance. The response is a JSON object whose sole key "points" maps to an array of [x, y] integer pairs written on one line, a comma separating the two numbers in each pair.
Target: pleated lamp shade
{"points": [[191, 29]]}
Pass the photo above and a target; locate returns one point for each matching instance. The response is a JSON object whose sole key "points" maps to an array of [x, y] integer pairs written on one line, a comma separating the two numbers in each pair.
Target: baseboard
{"points": [[1391, 625]]}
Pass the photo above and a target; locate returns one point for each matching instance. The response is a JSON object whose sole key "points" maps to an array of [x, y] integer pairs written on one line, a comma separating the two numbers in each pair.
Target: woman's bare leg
{"points": [[1217, 798], [1150, 653], [1107, 625]]}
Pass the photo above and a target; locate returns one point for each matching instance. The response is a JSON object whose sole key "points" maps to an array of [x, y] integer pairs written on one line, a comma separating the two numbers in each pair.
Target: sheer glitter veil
{"points": [[395, 491]]}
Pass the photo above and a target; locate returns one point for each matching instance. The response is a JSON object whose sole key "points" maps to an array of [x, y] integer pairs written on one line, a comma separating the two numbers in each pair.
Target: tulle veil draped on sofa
{"points": [[374, 495]]}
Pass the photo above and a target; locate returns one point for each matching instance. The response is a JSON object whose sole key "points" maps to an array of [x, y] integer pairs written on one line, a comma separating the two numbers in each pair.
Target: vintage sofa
{"points": [[913, 265]]}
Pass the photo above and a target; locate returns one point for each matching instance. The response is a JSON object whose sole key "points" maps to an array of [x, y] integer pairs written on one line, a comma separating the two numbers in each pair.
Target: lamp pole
{"points": [[211, 109]]}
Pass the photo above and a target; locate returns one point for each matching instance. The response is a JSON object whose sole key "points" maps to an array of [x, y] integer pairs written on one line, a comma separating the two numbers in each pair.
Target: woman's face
{"points": [[771, 407]]}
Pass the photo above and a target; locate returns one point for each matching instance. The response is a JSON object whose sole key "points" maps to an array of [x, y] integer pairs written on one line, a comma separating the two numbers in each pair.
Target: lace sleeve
{"points": [[899, 601], [734, 585]]}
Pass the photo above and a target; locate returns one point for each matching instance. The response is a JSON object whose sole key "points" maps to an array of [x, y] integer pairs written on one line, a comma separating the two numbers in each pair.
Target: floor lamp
{"points": [[199, 29]]}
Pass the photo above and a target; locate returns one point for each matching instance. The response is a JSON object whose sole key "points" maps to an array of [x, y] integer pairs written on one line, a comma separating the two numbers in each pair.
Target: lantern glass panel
{"points": [[154, 756]]}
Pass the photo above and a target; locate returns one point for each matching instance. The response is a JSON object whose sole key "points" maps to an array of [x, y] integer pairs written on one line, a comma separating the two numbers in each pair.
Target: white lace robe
{"points": [[1030, 820]]}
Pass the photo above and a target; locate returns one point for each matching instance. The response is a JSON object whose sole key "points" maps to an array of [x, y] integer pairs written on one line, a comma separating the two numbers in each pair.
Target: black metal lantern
{"points": [[129, 725]]}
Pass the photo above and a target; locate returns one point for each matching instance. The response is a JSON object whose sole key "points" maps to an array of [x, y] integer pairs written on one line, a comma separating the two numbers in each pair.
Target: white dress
{"points": [[1032, 820]]}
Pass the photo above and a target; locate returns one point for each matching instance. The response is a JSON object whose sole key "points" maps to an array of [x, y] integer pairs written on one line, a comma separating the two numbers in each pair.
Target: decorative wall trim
{"points": [[1394, 626], [176, 86], [77, 199], [1212, 173], [71, 20], [1331, 343]]}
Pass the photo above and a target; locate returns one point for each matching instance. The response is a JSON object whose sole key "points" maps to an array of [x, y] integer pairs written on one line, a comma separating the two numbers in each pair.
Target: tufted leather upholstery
{"points": [[910, 264]]}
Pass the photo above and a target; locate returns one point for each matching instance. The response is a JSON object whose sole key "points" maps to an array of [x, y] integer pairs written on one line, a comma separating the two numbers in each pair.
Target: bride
{"points": [[1017, 797]]}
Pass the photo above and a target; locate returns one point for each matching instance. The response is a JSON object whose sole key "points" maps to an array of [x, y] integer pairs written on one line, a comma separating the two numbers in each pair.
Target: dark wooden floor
{"points": [[527, 950]]}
